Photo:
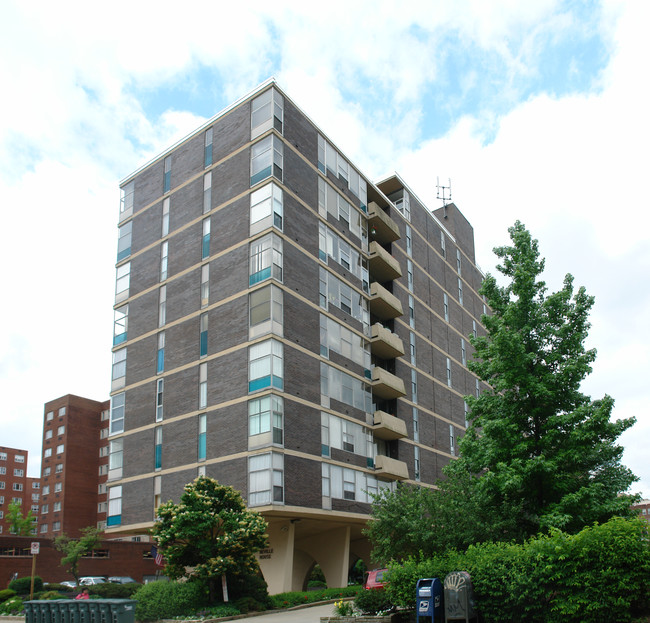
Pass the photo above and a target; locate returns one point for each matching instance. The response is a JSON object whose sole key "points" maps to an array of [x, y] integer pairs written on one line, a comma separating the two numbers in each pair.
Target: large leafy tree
{"points": [[74, 549], [541, 453], [538, 453], [18, 523], [209, 534]]}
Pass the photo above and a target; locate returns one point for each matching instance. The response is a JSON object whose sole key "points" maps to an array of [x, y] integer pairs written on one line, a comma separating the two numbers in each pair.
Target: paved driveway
{"points": [[308, 614]]}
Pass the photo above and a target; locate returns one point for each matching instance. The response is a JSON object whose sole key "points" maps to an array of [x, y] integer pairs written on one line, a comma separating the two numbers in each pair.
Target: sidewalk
{"points": [[306, 614]]}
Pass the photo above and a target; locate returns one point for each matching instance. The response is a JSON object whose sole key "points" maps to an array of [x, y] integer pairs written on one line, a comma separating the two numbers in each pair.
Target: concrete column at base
{"points": [[276, 561], [361, 548], [331, 550]]}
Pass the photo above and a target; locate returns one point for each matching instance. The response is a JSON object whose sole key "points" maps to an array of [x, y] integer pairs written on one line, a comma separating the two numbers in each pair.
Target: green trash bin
{"points": [[104, 611], [41, 611], [122, 610], [93, 606], [83, 607], [64, 609], [32, 612], [54, 610]]}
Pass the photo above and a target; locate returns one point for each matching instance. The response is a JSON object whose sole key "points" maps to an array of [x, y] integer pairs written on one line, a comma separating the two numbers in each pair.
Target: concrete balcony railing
{"points": [[391, 469], [384, 227], [383, 304], [386, 385], [381, 264], [384, 343], [388, 426]]}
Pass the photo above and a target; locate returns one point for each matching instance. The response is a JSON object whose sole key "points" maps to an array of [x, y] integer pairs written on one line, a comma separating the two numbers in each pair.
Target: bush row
{"points": [[599, 574]]}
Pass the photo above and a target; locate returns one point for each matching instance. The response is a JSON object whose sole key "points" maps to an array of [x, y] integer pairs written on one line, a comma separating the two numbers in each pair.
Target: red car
{"points": [[375, 579]]}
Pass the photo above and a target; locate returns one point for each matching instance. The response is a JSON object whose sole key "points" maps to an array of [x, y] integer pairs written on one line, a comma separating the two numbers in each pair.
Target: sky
{"points": [[536, 111]]}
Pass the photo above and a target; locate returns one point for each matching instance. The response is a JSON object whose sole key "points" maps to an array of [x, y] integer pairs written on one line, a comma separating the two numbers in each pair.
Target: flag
{"points": [[157, 556]]}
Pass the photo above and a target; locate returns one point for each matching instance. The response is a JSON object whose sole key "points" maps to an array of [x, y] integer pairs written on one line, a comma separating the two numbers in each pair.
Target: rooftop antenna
{"points": [[444, 193]]}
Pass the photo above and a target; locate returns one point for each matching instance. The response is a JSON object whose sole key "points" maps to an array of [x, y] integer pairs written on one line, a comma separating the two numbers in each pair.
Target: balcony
{"points": [[383, 304], [383, 266], [386, 385], [384, 343], [388, 426], [391, 469], [381, 227]]}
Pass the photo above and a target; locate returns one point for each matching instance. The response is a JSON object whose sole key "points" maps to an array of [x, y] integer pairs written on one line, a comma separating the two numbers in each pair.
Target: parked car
{"points": [[120, 579], [69, 583], [375, 579], [91, 579]]}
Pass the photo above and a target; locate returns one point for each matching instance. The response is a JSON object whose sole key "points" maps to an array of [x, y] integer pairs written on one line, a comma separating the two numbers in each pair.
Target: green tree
{"points": [[19, 524], [74, 549], [539, 453], [209, 534]]}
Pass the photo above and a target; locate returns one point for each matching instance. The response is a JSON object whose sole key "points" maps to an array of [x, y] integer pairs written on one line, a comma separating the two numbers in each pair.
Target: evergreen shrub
{"points": [[6, 594], [165, 600], [22, 585], [373, 601]]}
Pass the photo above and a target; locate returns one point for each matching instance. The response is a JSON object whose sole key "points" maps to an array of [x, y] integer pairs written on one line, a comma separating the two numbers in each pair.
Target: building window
{"points": [[267, 111], [160, 353], [443, 248], [56, 526], [56, 507], [167, 174], [2, 484], [266, 159], [119, 368], [409, 241], [164, 254], [102, 488], [474, 333], [45, 509], [60, 448], [203, 335], [120, 324], [162, 306], [478, 389], [448, 372], [416, 425], [46, 490], [412, 347], [338, 385], [265, 365], [207, 147], [458, 262], [207, 192], [205, 285], [49, 416], [127, 193], [48, 435], [414, 386], [205, 240], [59, 466], [452, 441], [117, 413], [445, 306], [460, 291], [466, 409], [114, 517], [18, 486], [266, 208], [331, 245], [339, 339], [265, 259], [158, 447], [342, 434], [265, 479], [122, 282], [124, 240], [36, 485], [160, 387], [265, 311], [411, 311], [265, 417], [202, 439], [165, 218], [403, 204], [409, 274], [330, 159], [203, 385], [61, 414], [335, 292], [115, 459], [331, 202], [416, 462], [58, 487], [463, 352], [47, 453]]}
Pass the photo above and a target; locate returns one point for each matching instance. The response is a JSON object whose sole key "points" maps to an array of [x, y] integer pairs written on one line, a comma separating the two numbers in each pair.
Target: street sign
{"points": [[35, 548]]}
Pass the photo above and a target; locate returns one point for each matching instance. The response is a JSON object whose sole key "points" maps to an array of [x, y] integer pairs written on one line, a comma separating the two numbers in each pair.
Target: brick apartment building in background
{"points": [[74, 466], [288, 327], [16, 486]]}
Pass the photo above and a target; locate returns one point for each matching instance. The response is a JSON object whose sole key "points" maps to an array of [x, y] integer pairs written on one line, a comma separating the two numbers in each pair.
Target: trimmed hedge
{"points": [[165, 600], [6, 593], [601, 573], [22, 585]]}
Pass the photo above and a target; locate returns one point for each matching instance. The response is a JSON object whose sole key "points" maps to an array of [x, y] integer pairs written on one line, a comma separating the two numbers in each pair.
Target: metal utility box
{"points": [[459, 597], [428, 599]]}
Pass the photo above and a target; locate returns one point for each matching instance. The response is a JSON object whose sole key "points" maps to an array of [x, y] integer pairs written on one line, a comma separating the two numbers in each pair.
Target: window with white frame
{"points": [[265, 307], [164, 256], [266, 208], [443, 245], [205, 285], [460, 290], [160, 387], [458, 262], [463, 352], [445, 306], [115, 458], [48, 434], [122, 281], [414, 385], [58, 487], [339, 339], [124, 241], [448, 372], [56, 507], [265, 421], [265, 365], [61, 414], [265, 259], [127, 194], [412, 347], [330, 159], [114, 506], [164, 229], [205, 239], [117, 414], [332, 203], [267, 111], [349, 484], [167, 174], [267, 159], [331, 245], [338, 385], [47, 453], [342, 434], [207, 147], [120, 324], [452, 440], [49, 416], [119, 369], [334, 291], [265, 479], [416, 462], [202, 437], [203, 385], [162, 306]]}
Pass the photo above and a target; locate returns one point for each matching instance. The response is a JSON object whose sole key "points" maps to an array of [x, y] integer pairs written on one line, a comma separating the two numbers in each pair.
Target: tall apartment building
{"points": [[286, 326], [74, 466], [16, 486]]}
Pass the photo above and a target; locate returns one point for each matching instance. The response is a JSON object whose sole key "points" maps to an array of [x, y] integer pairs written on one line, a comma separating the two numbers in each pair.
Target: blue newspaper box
{"points": [[428, 599]]}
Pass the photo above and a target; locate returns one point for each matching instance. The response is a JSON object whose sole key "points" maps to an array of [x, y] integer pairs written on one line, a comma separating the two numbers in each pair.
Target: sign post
{"points": [[34, 550]]}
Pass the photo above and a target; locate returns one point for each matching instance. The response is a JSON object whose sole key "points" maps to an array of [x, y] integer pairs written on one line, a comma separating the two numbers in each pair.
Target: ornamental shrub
{"points": [[13, 606], [6, 594], [373, 601], [22, 585], [164, 600], [114, 591]]}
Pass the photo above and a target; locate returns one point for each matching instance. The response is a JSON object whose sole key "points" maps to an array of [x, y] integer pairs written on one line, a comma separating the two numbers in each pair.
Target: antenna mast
{"points": [[444, 194]]}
